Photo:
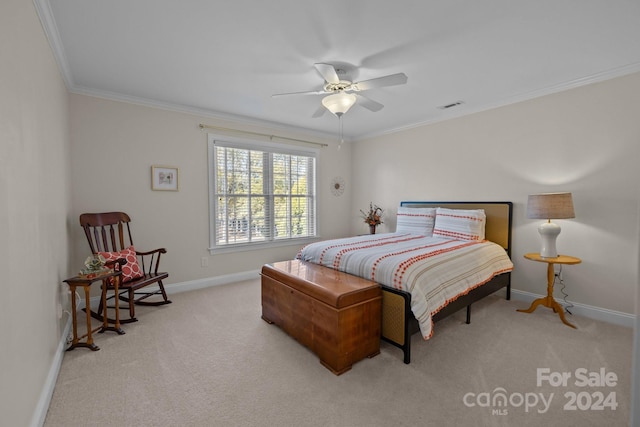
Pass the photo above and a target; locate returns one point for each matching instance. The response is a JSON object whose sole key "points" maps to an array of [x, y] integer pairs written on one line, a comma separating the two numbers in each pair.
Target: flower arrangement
{"points": [[94, 265], [373, 216]]}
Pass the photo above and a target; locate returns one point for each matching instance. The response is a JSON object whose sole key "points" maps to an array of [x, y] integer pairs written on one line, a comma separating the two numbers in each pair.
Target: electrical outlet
{"points": [[204, 261], [60, 312]]}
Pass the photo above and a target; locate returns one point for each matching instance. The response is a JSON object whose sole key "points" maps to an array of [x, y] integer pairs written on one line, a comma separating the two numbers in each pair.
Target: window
{"points": [[261, 194]]}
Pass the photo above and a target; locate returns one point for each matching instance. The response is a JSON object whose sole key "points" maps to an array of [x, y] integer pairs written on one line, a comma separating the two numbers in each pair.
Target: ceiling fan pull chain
{"points": [[341, 132]]}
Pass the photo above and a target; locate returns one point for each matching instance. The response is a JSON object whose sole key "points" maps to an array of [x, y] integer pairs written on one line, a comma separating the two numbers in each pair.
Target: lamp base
{"points": [[549, 232]]}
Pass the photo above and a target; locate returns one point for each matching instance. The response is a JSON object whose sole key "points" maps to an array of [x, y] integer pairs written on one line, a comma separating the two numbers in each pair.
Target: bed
{"points": [[426, 277]]}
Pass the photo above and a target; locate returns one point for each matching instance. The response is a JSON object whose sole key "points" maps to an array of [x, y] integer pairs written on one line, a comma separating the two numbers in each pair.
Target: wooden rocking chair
{"points": [[106, 234]]}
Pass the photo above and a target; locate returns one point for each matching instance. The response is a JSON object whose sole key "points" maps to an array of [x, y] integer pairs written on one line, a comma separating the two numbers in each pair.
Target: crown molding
{"points": [[43, 9], [525, 96], [238, 120], [50, 28], [51, 31]]}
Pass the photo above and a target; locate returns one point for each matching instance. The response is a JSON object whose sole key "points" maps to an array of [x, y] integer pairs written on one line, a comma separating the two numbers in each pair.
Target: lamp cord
{"points": [[558, 278]]}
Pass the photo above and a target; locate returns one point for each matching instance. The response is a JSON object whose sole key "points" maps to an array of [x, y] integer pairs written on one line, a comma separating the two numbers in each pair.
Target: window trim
{"points": [[251, 144]]}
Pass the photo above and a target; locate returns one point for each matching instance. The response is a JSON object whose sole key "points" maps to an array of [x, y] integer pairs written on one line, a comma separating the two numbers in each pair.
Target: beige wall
{"points": [[585, 140], [114, 146], [34, 208]]}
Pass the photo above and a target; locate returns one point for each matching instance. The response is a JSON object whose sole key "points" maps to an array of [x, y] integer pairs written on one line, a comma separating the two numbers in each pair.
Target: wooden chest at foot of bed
{"points": [[335, 314]]}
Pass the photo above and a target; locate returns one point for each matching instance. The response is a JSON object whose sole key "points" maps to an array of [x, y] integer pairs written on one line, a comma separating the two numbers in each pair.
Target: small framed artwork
{"points": [[164, 178]]}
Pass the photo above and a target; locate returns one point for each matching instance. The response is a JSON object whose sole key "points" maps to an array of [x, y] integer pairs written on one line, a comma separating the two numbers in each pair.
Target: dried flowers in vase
{"points": [[373, 217]]}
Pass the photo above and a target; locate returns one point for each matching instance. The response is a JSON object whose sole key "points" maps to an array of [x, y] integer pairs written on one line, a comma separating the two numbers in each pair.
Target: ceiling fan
{"points": [[342, 94]]}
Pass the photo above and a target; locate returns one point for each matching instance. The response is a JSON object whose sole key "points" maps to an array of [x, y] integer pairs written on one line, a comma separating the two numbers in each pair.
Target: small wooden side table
{"points": [[549, 301], [86, 282]]}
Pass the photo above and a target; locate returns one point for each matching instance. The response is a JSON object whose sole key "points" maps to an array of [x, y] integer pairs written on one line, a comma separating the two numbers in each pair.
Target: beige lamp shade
{"points": [[550, 206]]}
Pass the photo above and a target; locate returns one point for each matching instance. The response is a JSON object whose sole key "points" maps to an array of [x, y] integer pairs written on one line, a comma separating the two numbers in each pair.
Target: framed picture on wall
{"points": [[164, 178]]}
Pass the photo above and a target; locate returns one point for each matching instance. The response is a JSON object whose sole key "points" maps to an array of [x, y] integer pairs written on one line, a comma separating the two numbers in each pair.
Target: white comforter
{"points": [[434, 270]]}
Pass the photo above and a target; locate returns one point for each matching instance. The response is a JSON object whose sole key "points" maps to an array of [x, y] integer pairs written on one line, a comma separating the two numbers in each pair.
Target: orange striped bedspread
{"points": [[434, 270]]}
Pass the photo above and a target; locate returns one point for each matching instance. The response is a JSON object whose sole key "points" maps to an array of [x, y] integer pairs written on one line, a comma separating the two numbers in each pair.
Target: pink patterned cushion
{"points": [[131, 270], [460, 224]]}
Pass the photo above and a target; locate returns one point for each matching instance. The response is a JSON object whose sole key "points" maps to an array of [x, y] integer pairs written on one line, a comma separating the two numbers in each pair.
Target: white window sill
{"points": [[243, 247]]}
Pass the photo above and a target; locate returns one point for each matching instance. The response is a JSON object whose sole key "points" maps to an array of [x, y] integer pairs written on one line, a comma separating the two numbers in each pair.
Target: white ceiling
{"points": [[226, 58]]}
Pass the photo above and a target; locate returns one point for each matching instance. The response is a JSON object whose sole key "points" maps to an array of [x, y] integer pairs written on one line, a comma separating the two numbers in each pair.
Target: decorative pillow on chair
{"points": [[415, 220], [460, 224], [131, 270]]}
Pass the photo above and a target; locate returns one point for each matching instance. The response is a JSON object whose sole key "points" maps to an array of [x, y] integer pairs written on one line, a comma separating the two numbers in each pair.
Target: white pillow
{"points": [[460, 224], [415, 220]]}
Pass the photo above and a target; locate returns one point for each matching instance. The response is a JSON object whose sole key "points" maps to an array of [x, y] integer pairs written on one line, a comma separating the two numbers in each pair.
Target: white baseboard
{"points": [[590, 311], [42, 407], [40, 413], [191, 285]]}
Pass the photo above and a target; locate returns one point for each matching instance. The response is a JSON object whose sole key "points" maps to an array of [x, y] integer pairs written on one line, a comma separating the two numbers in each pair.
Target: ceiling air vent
{"points": [[453, 104]]}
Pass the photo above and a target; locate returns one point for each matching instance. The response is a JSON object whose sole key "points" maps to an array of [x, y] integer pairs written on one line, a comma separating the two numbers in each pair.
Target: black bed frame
{"points": [[498, 282]]}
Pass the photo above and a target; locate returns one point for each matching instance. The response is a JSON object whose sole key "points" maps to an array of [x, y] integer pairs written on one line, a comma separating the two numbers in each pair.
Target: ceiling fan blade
{"points": [[368, 103], [390, 80], [319, 112], [327, 72], [310, 92]]}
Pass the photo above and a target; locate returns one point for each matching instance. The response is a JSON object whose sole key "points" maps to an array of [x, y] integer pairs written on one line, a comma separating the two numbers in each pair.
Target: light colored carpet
{"points": [[208, 359]]}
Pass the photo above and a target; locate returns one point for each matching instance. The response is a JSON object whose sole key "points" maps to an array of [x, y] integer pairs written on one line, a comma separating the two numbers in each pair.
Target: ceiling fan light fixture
{"points": [[339, 103]]}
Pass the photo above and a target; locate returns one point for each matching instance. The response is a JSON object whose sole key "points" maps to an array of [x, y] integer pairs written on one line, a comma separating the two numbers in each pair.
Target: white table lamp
{"points": [[550, 206]]}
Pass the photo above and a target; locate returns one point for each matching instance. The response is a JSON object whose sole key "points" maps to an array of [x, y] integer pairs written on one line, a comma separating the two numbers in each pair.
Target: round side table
{"points": [[549, 301]]}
